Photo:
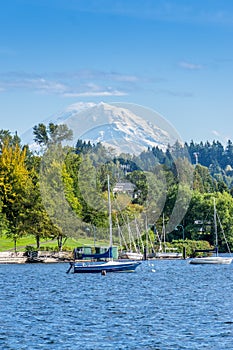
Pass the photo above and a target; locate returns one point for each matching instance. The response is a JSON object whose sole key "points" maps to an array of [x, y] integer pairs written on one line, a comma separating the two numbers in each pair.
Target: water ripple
{"points": [[178, 307]]}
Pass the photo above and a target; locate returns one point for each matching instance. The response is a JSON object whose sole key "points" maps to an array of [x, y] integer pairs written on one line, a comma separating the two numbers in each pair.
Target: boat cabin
{"points": [[97, 253]]}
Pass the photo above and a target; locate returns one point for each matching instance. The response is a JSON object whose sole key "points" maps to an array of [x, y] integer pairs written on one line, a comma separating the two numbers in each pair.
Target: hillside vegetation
{"points": [[60, 193]]}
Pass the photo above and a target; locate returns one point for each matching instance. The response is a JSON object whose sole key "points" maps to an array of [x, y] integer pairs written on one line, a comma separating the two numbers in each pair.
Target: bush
{"points": [[30, 248], [190, 245], [66, 248]]}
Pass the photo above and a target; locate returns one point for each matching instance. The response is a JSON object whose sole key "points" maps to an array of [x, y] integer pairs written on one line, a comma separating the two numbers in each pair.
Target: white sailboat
{"points": [[129, 253], [213, 259], [164, 254]]}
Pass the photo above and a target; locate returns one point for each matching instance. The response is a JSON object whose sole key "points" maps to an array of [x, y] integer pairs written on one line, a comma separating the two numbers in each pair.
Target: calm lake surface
{"points": [[178, 306]]}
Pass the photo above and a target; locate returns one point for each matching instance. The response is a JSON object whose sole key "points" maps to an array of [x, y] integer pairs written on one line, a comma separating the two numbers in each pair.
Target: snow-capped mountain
{"points": [[132, 129]]}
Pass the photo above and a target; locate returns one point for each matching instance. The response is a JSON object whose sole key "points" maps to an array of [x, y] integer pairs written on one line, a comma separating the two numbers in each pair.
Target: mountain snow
{"points": [[113, 125]]}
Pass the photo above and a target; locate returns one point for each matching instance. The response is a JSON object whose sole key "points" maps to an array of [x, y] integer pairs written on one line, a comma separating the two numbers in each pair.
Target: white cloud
{"points": [[221, 137], [94, 93], [102, 75], [216, 133], [68, 84], [63, 86], [174, 93], [47, 86], [190, 66], [122, 77], [37, 84]]}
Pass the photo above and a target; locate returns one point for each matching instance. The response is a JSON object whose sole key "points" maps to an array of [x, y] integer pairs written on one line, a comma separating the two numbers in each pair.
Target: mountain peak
{"points": [[127, 128]]}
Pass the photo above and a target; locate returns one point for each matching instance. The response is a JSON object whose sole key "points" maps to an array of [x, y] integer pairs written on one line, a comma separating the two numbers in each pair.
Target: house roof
{"points": [[124, 187]]}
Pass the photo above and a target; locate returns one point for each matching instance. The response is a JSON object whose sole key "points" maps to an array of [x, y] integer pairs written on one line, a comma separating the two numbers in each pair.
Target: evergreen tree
{"points": [[51, 134]]}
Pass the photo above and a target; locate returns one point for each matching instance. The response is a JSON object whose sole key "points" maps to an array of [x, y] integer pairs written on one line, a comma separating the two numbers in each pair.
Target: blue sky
{"points": [[175, 57]]}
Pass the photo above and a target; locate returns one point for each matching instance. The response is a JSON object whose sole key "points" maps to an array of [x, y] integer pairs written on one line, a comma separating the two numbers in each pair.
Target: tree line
{"points": [[61, 191]]}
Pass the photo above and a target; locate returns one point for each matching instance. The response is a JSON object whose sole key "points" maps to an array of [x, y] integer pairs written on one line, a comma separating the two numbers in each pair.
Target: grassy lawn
{"points": [[8, 244]]}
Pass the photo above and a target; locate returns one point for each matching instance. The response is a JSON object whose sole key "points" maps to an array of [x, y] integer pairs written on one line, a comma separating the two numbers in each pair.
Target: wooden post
{"points": [[184, 252]]}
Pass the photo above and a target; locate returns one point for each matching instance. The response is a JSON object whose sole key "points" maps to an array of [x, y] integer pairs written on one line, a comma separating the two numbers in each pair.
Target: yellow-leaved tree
{"points": [[15, 186]]}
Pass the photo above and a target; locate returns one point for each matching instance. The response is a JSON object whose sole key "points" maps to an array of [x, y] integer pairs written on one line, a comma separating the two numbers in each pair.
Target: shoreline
{"points": [[42, 258], [12, 261]]}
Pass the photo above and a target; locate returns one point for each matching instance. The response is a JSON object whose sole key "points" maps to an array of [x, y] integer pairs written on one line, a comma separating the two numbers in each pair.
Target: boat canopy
{"points": [[105, 255]]}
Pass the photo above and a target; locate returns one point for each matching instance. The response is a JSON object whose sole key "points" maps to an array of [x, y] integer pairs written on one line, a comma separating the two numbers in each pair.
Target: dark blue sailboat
{"points": [[105, 266]]}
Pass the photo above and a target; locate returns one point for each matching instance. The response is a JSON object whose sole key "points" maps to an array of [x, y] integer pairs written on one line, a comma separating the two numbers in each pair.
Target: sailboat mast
{"points": [[215, 228], [109, 214], [164, 234]]}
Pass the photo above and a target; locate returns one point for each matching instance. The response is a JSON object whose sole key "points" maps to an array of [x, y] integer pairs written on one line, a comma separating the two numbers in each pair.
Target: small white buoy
{"points": [[153, 270]]}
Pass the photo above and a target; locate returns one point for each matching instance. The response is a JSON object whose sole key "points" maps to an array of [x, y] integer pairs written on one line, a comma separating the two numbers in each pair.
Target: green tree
{"points": [[51, 134], [58, 196], [3, 221], [7, 138], [15, 187], [36, 219], [41, 134], [203, 181]]}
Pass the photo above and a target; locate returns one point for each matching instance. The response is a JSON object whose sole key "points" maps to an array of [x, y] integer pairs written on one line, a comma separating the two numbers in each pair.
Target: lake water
{"points": [[178, 306]]}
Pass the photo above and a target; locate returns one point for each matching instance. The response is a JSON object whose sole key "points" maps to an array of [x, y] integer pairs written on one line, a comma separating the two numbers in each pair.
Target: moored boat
{"points": [[220, 260], [165, 252], [168, 255], [211, 260], [105, 266], [131, 255]]}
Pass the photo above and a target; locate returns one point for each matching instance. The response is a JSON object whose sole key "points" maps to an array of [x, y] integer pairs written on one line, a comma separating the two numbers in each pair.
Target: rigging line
{"points": [[148, 235], [139, 237], [126, 224], [163, 235], [228, 248], [151, 243], [205, 219], [131, 235], [120, 211], [121, 235], [119, 232], [159, 240], [117, 206]]}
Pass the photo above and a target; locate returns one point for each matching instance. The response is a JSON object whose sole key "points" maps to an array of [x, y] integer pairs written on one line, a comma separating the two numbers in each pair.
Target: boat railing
{"points": [[205, 250]]}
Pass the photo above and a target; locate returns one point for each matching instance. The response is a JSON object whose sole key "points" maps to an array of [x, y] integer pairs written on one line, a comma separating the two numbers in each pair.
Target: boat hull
{"points": [[129, 266], [217, 260], [131, 256], [168, 255]]}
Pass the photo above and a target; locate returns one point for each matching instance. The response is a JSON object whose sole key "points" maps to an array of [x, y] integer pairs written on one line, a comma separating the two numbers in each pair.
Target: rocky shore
{"points": [[42, 257]]}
